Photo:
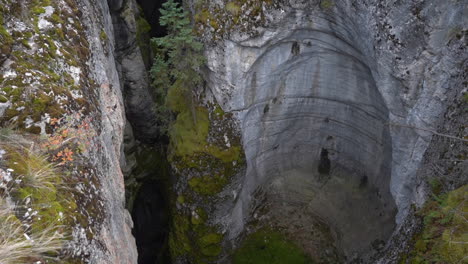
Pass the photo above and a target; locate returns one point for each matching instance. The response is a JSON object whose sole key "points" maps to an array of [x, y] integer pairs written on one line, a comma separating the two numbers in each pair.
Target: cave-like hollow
{"points": [[316, 138]]}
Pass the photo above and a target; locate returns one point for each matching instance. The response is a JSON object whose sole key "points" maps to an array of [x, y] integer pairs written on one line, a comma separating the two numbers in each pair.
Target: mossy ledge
{"points": [[205, 153]]}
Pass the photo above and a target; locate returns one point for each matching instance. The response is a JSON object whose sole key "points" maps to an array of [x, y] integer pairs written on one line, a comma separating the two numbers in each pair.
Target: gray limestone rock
{"points": [[336, 104], [117, 244], [135, 81]]}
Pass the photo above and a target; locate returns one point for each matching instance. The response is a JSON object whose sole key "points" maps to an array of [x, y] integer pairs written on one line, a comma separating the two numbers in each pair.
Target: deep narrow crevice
{"points": [[151, 216], [146, 167]]}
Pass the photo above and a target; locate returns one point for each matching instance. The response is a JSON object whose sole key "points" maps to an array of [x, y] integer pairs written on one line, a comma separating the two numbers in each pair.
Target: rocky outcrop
{"points": [[336, 110], [60, 81], [119, 243]]}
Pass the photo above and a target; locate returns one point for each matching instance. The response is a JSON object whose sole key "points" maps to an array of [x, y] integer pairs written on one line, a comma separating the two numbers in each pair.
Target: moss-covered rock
{"points": [[52, 50], [215, 21], [205, 153], [39, 188], [269, 246], [444, 235]]}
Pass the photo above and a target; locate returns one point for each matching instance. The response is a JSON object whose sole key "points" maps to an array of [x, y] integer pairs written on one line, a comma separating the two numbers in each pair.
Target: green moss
{"points": [[143, 27], [181, 199], [38, 10], [3, 99], [7, 89], [219, 112], [28, 34], [42, 185], [103, 36], [327, 4], [233, 8], [199, 217], [269, 247], [443, 238], [210, 244], [189, 136], [192, 238], [56, 19], [210, 239], [177, 100], [203, 16], [208, 185], [179, 242], [233, 15], [40, 103], [465, 97], [6, 39]]}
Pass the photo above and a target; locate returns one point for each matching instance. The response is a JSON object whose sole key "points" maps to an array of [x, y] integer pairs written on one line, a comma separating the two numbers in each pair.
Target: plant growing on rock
{"points": [[32, 229], [177, 63], [17, 246]]}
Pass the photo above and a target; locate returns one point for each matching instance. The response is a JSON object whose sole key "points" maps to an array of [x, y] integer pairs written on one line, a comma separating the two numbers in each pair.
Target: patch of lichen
{"points": [[444, 235], [39, 65], [326, 4], [214, 21]]}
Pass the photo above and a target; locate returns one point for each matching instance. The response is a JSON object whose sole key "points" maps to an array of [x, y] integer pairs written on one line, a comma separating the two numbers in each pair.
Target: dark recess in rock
{"points": [[151, 224], [133, 73], [325, 164], [151, 11], [295, 49]]}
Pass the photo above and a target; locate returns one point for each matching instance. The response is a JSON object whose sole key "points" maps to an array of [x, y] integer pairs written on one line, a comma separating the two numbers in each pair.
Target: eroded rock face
{"points": [[73, 40], [133, 72], [330, 106], [314, 130]]}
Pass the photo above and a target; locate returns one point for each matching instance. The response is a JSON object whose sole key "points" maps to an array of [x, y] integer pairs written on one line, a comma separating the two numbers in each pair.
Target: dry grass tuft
{"points": [[19, 246], [20, 239]]}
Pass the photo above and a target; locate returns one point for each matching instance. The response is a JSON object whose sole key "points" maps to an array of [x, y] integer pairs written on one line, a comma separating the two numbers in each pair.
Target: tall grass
{"points": [[19, 243], [19, 246]]}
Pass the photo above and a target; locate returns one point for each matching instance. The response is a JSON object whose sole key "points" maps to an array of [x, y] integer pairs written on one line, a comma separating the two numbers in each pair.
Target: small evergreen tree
{"points": [[175, 71]]}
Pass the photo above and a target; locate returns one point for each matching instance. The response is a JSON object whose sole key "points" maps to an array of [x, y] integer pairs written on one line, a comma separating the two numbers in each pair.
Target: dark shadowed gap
{"points": [[151, 11], [151, 217]]}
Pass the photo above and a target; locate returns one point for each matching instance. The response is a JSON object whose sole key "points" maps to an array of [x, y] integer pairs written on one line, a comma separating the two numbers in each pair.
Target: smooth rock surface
{"points": [[336, 109]]}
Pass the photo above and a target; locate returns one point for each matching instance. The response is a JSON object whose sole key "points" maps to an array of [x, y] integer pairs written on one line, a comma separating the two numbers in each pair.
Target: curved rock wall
{"points": [[308, 100], [331, 96]]}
